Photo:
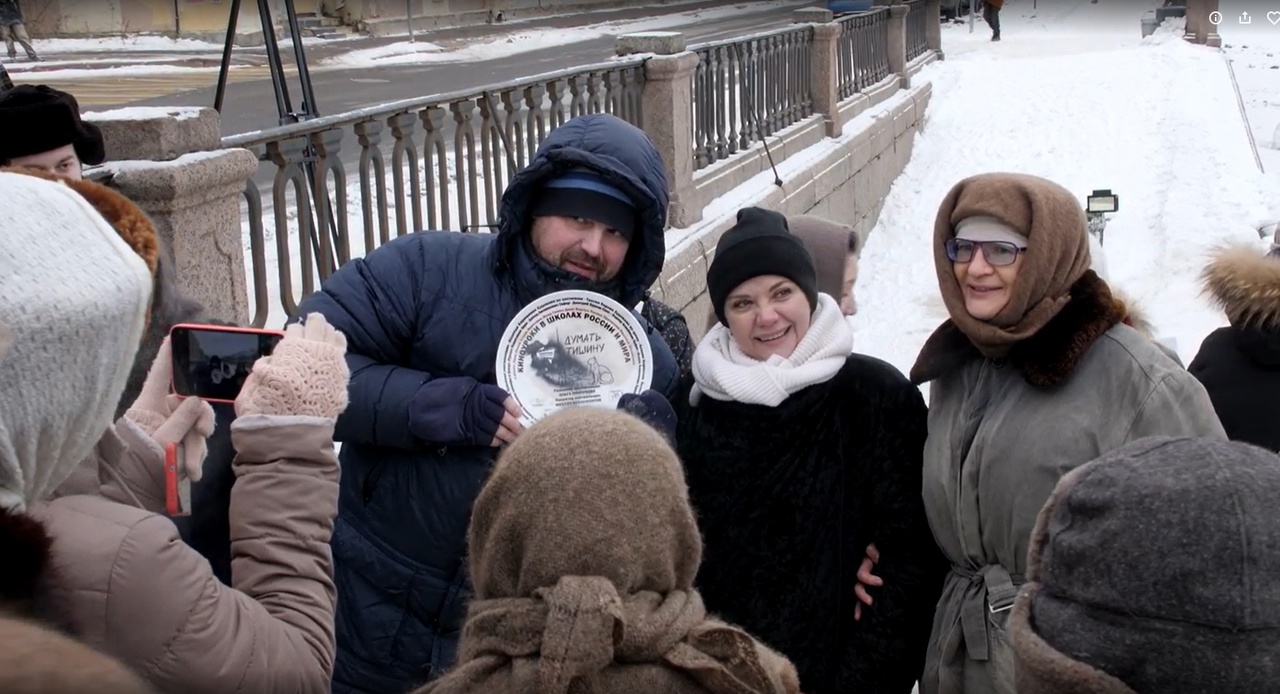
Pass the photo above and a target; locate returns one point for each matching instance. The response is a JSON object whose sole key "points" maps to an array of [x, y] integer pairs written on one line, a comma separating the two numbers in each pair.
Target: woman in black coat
{"points": [[1240, 365], [799, 455]]}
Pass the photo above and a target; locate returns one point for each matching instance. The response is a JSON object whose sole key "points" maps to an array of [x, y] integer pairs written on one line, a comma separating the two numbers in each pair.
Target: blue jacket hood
{"points": [[625, 156]]}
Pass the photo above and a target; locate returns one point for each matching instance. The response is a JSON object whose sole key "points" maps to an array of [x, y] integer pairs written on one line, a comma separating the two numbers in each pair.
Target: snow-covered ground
{"points": [[1254, 52], [1073, 94], [1157, 121], [135, 43]]}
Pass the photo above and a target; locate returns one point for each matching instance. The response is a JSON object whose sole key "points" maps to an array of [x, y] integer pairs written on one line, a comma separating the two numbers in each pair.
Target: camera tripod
{"points": [[307, 109]]}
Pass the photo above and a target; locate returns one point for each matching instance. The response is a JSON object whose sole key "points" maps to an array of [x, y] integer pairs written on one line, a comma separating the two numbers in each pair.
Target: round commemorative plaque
{"points": [[573, 349]]}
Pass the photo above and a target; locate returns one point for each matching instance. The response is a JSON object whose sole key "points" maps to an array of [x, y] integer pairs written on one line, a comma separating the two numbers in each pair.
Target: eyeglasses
{"points": [[997, 253]]}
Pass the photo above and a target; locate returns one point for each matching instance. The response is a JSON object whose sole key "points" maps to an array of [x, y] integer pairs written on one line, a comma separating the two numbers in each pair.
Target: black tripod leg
{"points": [[225, 68]]}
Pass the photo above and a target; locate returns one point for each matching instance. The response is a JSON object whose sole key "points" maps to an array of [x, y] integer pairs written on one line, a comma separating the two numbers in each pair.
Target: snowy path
{"points": [[1082, 101]]}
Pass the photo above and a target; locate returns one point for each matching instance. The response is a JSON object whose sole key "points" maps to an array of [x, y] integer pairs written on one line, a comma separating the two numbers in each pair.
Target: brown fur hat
{"points": [[129, 221], [1246, 285], [38, 660]]}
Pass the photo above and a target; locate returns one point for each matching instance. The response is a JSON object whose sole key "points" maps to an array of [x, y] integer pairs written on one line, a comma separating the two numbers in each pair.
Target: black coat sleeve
{"points": [[893, 633]]}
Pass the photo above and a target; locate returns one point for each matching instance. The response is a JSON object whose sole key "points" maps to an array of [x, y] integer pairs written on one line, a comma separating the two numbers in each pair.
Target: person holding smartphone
{"points": [[110, 568], [55, 142]]}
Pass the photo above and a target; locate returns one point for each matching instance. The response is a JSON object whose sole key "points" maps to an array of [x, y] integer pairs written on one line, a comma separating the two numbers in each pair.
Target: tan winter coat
{"points": [[138, 593], [1002, 433]]}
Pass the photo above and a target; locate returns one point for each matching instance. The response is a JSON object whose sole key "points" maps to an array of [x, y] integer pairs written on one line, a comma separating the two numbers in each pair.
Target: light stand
{"points": [[1098, 205]]}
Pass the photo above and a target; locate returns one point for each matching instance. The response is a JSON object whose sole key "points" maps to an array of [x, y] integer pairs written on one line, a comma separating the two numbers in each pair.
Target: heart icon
{"points": [[1273, 17]]}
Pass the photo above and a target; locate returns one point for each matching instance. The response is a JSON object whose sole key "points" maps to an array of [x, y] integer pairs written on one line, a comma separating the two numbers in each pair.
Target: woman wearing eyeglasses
{"points": [[1033, 375]]}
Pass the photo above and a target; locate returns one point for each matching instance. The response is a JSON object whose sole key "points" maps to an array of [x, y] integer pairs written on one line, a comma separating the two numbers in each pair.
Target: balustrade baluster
{"points": [[327, 145], [435, 168], [373, 193]]}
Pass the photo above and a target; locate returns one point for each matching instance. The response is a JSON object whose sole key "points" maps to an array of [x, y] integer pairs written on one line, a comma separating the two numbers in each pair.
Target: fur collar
{"points": [[1246, 285], [1044, 359], [27, 583], [1134, 316]]}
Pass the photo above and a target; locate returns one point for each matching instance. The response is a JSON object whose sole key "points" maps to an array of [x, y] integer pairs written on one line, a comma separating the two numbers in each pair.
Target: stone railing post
{"points": [[824, 65], [668, 114], [933, 27], [1207, 29], [898, 43], [169, 161], [1195, 17]]}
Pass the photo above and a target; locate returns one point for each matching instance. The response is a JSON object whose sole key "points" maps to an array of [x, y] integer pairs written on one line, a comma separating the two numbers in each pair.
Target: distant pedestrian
{"points": [[990, 15], [12, 27]]}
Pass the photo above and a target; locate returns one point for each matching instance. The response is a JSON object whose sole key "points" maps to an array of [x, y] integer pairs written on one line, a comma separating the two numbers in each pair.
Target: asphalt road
{"points": [[250, 104]]}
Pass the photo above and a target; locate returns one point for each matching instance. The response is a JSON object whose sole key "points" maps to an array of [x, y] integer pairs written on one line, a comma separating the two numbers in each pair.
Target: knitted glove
{"points": [[457, 411], [167, 418], [306, 374], [654, 409]]}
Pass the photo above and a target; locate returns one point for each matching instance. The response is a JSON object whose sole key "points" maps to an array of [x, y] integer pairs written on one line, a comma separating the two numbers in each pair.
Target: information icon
{"points": [[1215, 18]]}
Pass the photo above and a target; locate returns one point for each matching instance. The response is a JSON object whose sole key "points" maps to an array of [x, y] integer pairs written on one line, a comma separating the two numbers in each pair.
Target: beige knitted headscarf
{"points": [[1057, 254], [74, 295], [583, 554]]}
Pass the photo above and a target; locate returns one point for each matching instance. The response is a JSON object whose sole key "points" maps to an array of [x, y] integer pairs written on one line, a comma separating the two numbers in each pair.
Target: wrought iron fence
{"points": [[862, 51], [450, 158], [744, 90], [917, 28]]}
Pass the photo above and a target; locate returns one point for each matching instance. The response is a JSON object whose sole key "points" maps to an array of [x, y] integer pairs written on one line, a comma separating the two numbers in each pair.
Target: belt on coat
{"points": [[991, 589]]}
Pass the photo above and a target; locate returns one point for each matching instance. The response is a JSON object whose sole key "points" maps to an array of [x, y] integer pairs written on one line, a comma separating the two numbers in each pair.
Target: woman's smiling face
{"points": [[767, 315]]}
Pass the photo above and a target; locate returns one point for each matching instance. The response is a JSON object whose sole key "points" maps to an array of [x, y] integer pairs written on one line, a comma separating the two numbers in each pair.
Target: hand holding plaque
{"points": [[461, 411], [573, 349]]}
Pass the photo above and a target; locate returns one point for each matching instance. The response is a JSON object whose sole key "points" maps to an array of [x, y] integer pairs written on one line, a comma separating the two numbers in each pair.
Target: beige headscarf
{"points": [[583, 553], [828, 243], [74, 294], [1057, 254]]}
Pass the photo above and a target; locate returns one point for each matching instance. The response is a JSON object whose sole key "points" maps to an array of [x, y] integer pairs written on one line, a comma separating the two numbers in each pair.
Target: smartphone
{"points": [[211, 362]]}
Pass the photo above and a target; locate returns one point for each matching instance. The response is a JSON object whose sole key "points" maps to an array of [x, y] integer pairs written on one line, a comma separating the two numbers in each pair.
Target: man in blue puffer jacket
{"points": [[423, 315]]}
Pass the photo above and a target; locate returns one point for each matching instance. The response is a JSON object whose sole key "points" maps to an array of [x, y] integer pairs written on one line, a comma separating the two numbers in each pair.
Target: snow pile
{"points": [[1171, 29], [133, 43], [144, 113]]}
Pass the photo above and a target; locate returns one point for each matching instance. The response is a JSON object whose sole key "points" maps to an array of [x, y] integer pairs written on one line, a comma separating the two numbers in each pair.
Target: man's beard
{"points": [[577, 257]]}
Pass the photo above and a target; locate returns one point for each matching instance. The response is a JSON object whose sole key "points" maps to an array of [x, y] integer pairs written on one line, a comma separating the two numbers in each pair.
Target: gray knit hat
{"points": [[1155, 569]]}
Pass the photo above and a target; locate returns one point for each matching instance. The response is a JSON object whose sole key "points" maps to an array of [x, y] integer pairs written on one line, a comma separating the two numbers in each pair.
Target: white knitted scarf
{"points": [[723, 371]]}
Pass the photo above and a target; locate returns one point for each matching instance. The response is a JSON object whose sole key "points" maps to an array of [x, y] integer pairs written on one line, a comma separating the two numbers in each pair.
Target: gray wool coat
{"points": [[1002, 433]]}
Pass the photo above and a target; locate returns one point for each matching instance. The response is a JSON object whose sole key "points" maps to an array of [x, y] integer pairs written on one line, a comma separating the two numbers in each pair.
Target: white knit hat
{"points": [[74, 296]]}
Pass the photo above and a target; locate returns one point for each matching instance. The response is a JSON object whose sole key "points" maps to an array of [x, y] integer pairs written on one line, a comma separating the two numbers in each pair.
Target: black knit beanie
{"points": [[759, 244]]}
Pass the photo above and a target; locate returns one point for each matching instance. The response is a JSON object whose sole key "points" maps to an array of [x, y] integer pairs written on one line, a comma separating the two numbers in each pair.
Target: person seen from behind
{"points": [[56, 141], [1154, 569], [108, 568], [1240, 364], [583, 550]]}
